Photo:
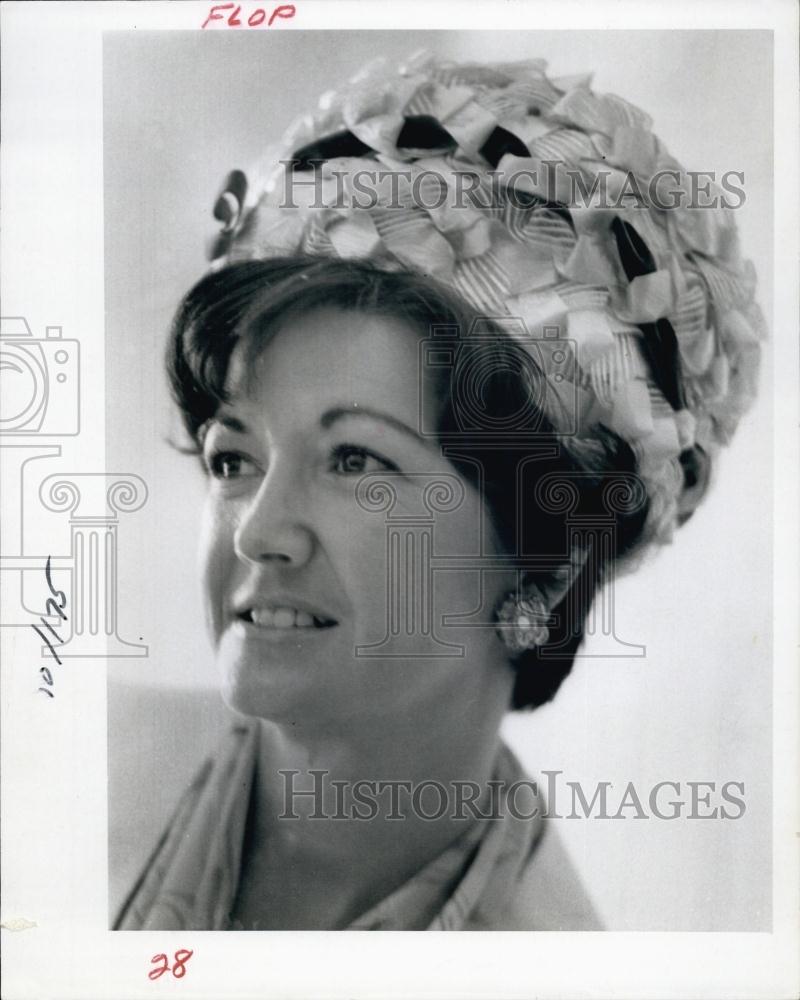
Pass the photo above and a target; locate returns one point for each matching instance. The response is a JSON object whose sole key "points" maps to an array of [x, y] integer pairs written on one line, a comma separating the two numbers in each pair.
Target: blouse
{"points": [[503, 874]]}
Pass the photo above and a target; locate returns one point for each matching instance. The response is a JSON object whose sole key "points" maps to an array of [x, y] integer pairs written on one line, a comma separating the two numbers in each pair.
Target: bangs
{"points": [[244, 304]]}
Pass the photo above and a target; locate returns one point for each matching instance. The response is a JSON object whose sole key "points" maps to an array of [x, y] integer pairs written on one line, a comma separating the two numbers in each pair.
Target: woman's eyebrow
{"points": [[231, 423], [329, 417], [227, 421]]}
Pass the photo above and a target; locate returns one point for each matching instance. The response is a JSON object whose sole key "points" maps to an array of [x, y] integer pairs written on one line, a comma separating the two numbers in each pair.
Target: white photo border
{"points": [[55, 937]]}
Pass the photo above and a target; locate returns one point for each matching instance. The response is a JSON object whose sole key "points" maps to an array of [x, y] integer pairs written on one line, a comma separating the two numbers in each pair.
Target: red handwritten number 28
{"points": [[182, 956]]}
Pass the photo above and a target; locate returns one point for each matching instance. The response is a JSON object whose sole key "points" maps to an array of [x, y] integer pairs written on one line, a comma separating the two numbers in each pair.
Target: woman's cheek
{"points": [[356, 546], [216, 556]]}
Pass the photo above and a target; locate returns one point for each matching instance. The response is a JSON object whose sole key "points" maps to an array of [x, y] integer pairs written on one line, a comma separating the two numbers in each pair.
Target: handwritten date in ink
{"points": [[229, 15], [54, 607], [180, 958]]}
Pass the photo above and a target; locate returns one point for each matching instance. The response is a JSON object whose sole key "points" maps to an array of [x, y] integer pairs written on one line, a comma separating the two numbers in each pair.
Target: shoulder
{"points": [[163, 744], [545, 892], [549, 895]]}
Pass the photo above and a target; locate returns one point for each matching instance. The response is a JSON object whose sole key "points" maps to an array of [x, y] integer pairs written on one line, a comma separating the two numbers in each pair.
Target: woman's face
{"points": [[301, 574]]}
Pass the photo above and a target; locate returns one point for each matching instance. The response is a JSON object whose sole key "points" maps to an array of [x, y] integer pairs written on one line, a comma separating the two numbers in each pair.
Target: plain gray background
{"points": [[181, 110]]}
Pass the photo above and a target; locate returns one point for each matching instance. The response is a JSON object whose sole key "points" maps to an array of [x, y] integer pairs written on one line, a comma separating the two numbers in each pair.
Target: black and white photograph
{"points": [[398, 525]]}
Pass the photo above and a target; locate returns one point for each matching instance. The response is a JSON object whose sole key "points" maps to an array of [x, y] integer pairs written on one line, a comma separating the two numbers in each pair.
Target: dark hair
{"points": [[242, 304]]}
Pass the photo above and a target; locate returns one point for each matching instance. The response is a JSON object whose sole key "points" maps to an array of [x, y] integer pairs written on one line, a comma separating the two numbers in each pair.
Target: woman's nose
{"points": [[270, 529]]}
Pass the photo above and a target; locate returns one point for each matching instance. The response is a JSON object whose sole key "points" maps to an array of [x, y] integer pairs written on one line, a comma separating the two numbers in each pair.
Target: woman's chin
{"points": [[279, 678], [262, 696]]}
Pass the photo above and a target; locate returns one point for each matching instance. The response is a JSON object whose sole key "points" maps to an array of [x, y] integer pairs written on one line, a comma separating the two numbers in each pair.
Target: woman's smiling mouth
{"points": [[282, 617]]}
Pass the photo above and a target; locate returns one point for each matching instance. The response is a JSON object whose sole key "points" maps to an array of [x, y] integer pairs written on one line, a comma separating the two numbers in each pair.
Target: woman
{"points": [[446, 374]]}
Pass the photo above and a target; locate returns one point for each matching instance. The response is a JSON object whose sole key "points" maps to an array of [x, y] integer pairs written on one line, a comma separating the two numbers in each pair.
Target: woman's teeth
{"points": [[284, 618]]}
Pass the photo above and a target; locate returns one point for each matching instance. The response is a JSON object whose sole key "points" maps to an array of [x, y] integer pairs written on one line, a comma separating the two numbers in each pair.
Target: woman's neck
{"points": [[337, 822]]}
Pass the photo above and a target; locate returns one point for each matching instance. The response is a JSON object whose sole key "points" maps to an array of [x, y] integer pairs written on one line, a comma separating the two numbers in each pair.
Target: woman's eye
{"points": [[351, 460], [229, 465]]}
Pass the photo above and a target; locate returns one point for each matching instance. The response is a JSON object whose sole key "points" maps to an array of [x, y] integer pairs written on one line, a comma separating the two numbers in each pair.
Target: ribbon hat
{"points": [[537, 200]]}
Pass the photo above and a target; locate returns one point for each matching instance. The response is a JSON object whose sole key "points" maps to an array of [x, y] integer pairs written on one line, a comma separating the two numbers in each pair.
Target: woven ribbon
{"points": [[650, 295]]}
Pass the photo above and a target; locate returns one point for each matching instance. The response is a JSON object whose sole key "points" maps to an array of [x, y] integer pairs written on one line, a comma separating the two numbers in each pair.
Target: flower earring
{"points": [[523, 615], [522, 621]]}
